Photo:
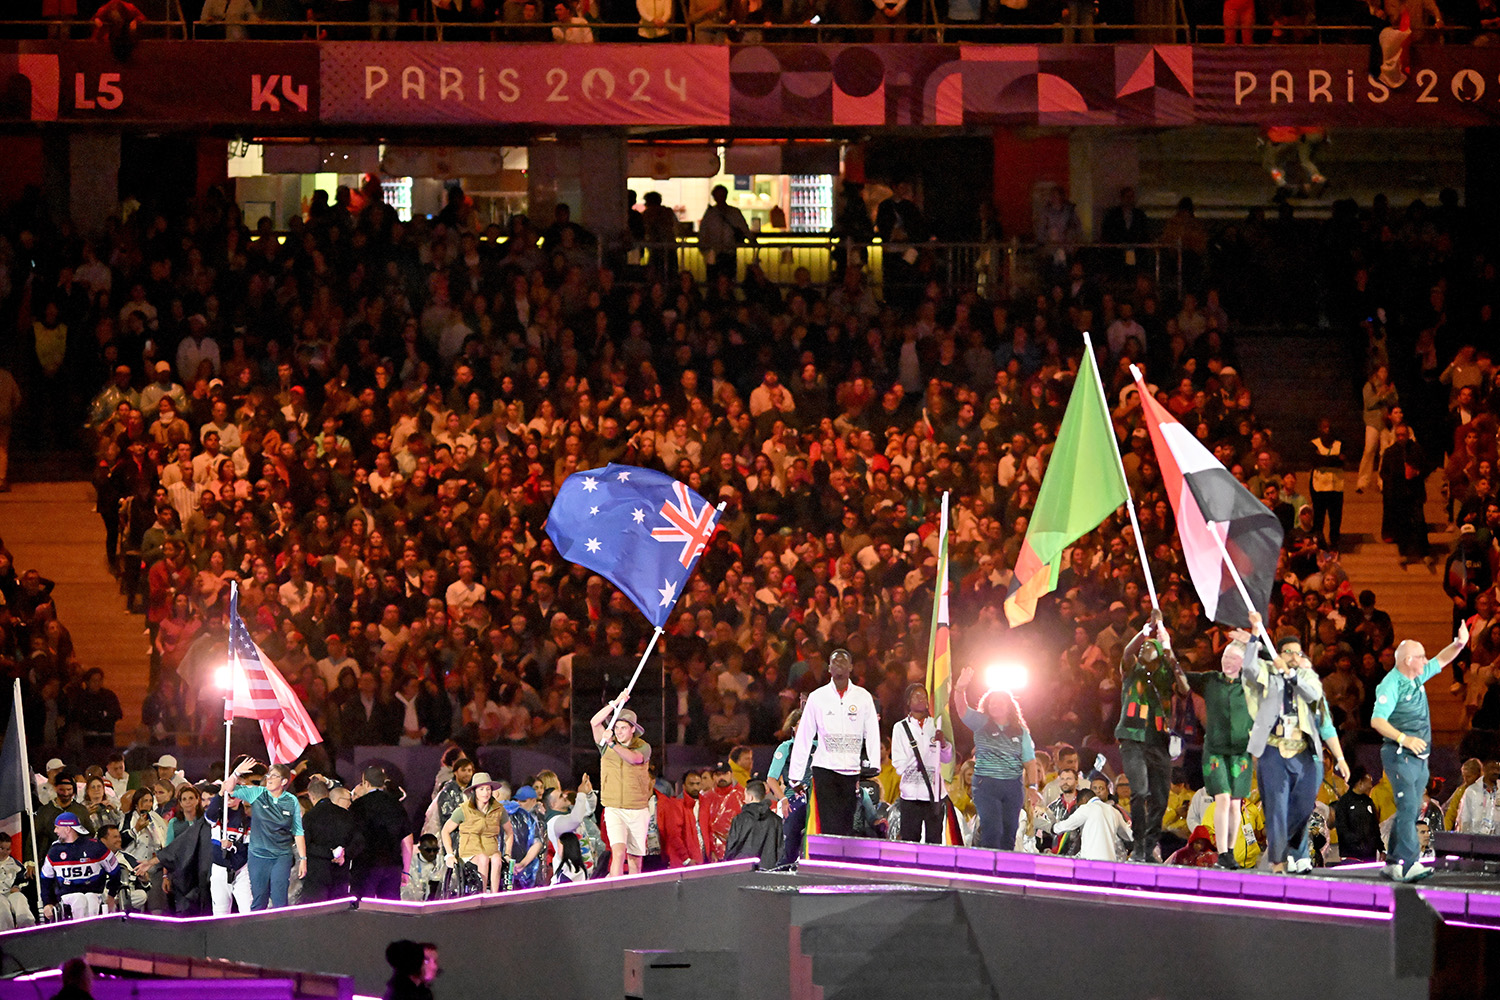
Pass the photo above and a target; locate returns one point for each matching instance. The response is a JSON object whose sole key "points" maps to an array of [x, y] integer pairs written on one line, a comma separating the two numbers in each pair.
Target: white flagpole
{"points": [[942, 591], [29, 785], [620, 705], [1135, 526], [1239, 584], [234, 590], [1234, 571]]}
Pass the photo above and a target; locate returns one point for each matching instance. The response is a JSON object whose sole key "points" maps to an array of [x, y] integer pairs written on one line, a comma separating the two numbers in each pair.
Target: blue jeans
{"points": [[1288, 793], [1408, 776], [998, 802], [269, 879], [792, 828]]}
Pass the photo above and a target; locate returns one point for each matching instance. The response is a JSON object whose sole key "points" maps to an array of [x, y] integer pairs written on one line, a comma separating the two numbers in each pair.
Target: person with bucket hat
{"points": [[77, 872], [484, 832], [530, 838], [624, 785]]}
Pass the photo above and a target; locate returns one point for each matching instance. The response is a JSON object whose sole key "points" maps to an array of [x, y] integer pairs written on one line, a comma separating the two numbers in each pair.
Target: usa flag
{"points": [[641, 530], [258, 691]]}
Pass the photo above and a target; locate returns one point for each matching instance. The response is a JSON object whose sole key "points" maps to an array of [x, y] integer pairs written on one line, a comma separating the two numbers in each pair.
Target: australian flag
{"points": [[640, 530]]}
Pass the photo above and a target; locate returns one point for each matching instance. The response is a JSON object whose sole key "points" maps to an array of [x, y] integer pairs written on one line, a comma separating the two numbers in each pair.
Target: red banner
{"points": [[473, 83], [1330, 85], [295, 85], [264, 84]]}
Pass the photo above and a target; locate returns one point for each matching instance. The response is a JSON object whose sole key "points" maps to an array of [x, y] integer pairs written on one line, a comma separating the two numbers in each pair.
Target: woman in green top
{"points": [[1226, 758], [1004, 761]]}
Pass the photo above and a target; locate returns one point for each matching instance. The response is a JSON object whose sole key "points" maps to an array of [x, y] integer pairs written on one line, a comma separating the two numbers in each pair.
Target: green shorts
{"points": [[1227, 774]]}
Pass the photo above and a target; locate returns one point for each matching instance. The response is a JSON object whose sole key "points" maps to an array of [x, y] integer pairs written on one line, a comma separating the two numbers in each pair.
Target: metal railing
{"points": [[426, 28], [993, 270]]}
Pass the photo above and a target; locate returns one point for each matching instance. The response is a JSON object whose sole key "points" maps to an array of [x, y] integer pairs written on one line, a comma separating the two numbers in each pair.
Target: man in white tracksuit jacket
{"points": [[841, 717]]}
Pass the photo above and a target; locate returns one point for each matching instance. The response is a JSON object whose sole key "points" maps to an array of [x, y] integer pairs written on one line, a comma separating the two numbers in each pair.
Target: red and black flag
{"points": [[1209, 502]]}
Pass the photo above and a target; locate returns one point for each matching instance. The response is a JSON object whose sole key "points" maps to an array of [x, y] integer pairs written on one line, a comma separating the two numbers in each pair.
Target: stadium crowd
{"points": [[755, 21], [363, 422]]}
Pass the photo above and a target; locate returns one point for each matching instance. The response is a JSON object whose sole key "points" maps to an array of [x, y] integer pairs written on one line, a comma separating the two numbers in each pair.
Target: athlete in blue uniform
{"points": [[77, 872]]}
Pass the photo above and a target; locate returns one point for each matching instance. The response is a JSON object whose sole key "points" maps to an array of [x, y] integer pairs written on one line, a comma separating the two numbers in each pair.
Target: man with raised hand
{"points": [[1403, 717]]}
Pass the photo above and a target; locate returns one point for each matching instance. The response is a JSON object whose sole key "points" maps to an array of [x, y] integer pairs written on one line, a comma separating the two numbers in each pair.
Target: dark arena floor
{"points": [[860, 918]]}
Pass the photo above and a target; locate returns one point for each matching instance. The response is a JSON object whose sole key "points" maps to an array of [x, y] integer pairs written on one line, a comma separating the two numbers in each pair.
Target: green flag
{"points": [[1083, 485]]}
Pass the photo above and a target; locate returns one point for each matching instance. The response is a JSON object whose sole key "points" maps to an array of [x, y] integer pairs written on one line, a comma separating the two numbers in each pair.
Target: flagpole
{"points": [[1234, 571], [937, 598], [234, 591], [1135, 525], [620, 704], [29, 787], [1239, 584]]}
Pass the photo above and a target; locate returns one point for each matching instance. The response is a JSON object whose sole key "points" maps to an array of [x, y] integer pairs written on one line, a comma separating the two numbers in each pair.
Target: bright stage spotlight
{"points": [[1006, 676]]}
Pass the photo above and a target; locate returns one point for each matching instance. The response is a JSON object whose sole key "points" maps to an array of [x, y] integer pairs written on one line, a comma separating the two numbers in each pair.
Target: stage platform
{"points": [[870, 920], [1354, 890]]}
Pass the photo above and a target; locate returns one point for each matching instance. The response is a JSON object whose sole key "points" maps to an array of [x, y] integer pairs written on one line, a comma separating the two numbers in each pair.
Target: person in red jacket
{"points": [[724, 799], [682, 823]]}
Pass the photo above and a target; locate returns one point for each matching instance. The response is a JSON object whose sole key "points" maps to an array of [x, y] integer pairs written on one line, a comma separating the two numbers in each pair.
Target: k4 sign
{"points": [[197, 83]]}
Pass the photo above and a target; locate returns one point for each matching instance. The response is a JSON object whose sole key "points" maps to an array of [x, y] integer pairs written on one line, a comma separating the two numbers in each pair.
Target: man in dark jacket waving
{"points": [[756, 831]]}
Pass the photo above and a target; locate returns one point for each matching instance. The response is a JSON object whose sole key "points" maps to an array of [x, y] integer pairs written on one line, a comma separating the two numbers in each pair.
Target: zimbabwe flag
{"points": [[939, 652], [1083, 485]]}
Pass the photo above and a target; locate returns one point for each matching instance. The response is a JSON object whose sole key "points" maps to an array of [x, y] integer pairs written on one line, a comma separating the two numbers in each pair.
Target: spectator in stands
{"points": [[724, 800], [96, 710], [1379, 397], [1103, 829], [1404, 497], [1356, 821], [1479, 803], [756, 831], [723, 227]]}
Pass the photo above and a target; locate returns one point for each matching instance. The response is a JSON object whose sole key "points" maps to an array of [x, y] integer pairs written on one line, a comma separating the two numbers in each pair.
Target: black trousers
{"points": [[922, 821], [835, 795], [325, 880], [1331, 505], [1149, 769], [377, 882]]}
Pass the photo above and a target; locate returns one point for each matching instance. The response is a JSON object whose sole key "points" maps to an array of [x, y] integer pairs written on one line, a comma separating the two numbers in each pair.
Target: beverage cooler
{"points": [[810, 208]]}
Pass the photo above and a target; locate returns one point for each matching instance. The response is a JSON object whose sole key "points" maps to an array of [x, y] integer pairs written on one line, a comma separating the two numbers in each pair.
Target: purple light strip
{"points": [[1136, 896], [399, 905]]}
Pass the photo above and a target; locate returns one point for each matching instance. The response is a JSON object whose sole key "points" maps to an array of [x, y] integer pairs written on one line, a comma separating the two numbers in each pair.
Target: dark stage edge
{"points": [[858, 914]]}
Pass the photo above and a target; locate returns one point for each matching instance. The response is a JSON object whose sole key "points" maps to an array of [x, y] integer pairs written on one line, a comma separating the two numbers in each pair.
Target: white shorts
{"points": [[628, 827], [84, 904]]}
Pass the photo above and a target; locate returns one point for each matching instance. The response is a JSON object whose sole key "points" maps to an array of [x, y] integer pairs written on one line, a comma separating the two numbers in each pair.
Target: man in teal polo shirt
{"points": [[275, 830], [1401, 716]]}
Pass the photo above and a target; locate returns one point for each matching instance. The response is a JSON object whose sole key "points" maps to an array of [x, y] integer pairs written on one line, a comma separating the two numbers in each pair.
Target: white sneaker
{"points": [[1415, 872], [1301, 866], [1392, 872]]}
